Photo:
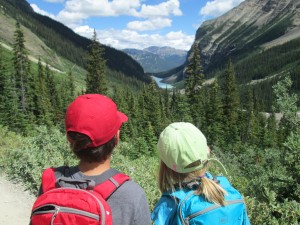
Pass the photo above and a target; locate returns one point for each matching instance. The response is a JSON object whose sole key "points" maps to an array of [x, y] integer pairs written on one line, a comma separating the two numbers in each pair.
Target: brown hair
{"points": [[79, 141], [208, 188]]}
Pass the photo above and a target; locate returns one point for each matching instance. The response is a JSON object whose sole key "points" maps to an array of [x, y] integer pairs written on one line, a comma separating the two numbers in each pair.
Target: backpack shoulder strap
{"points": [[48, 179], [110, 185]]}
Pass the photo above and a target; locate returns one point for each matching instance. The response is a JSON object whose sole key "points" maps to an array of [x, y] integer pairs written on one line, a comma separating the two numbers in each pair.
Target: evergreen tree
{"points": [[21, 79], [70, 87], [250, 134], [270, 132], [166, 97], [3, 90], [55, 100], [21, 66], [231, 105], [261, 124], [133, 114], [194, 74], [119, 98], [14, 118], [36, 98], [151, 140], [180, 110], [96, 66], [214, 116], [164, 110], [173, 103], [142, 112], [152, 107], [193, 83], [43, 103]]}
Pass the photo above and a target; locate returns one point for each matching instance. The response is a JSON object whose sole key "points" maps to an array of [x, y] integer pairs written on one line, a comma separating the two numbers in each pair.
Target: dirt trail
{"points": [[15, 203]]}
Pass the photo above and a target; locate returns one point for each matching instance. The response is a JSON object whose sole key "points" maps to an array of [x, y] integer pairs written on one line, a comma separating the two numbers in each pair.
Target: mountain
{"points": [[261, 37], [157, 59], [252, 28], [49, 39]]}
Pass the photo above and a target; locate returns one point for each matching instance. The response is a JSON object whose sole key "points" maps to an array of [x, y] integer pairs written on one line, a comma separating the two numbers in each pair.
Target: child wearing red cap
{"points": [[92, 125]]}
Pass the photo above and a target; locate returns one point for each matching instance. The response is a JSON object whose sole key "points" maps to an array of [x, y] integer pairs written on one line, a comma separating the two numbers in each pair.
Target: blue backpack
{"points": [[195, 210]]}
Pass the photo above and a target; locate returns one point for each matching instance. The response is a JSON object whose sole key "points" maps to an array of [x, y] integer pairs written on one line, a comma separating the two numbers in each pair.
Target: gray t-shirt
{"points": [[128, 203]]}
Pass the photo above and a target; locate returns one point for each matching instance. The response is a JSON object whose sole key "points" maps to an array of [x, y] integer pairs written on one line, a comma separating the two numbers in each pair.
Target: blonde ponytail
{"points": [[211, 191], [169, 180]]}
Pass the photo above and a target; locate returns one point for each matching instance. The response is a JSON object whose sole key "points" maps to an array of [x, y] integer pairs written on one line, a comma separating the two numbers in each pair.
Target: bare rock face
{"points": [[252, 24]]}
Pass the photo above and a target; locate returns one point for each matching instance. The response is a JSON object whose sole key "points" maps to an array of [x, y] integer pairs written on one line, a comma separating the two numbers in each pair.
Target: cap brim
{"points": [[122, 116]]}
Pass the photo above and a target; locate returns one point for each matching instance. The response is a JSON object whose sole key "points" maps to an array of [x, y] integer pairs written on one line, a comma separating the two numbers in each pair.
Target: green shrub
{"points": [[142, 170], [8, 142], [263, 213], [26, 162]]}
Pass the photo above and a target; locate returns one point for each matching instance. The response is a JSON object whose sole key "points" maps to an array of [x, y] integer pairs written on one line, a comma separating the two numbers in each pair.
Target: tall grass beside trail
{"points": [[9, 141], [24, 159]]}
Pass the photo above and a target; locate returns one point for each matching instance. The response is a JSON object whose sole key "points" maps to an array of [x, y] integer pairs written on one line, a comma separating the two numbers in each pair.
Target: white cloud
{"points": [[218, 7], [84, 30], [164, 9], [76, 11], [152, 24], [178, 38], [122, 7], [155, 17], [71, 19], [121, 39], [42, 12]]}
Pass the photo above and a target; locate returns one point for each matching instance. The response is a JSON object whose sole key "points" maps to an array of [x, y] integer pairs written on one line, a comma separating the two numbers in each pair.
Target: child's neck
{"points": [[94, 168]]}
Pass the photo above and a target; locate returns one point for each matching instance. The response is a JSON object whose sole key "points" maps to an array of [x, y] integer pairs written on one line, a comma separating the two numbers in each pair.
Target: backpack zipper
{"points": [[58, 209], [181, 205], [71, 210], [188, 218], [54, 215]]}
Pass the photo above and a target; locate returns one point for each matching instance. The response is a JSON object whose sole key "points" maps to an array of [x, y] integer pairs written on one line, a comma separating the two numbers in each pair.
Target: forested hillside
{"points": [[62, 40]]}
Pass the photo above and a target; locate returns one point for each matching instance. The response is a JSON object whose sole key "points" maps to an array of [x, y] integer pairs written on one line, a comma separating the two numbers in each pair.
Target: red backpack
{"points": [[59, 205]]}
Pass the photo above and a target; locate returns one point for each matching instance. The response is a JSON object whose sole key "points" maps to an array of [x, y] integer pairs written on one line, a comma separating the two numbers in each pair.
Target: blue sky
{"points": [[135, 23]]}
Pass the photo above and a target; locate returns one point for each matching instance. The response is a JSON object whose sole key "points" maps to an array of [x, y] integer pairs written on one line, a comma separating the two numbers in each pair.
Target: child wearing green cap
{"points": [[191, 195]]}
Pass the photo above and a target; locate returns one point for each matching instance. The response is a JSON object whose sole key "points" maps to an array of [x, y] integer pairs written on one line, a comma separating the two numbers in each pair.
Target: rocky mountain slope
{"points": [[253, 24], [157, 59], [261, 37]]}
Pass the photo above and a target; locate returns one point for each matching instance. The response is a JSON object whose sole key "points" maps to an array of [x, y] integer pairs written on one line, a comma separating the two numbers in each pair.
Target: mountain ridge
{"points": [[250, 24], [156, 59]]}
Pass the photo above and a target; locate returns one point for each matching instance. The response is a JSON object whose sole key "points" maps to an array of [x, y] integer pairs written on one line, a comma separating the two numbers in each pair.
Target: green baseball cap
{"points": [[183, 147]]}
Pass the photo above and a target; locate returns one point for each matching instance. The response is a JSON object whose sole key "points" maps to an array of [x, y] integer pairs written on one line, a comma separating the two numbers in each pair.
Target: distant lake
{"points": [[161, 84]]}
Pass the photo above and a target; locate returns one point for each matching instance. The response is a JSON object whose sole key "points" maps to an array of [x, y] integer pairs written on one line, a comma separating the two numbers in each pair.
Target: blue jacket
{"points": [[184, 207]]}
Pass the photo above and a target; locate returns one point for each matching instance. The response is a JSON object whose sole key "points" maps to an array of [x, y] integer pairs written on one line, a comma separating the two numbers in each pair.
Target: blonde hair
{"points": [[170, 180]]}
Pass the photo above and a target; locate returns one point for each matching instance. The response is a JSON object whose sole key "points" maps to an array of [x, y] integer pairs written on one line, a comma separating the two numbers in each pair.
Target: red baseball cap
{"points": [[96, 116]]}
